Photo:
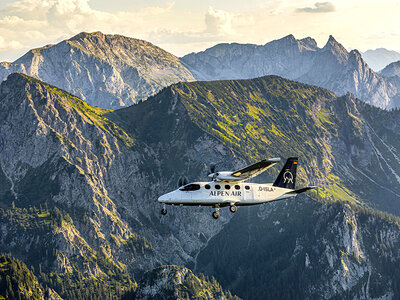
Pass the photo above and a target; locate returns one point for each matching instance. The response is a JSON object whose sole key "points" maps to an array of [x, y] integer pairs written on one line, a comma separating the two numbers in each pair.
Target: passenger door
{"points": [[247, 193]]}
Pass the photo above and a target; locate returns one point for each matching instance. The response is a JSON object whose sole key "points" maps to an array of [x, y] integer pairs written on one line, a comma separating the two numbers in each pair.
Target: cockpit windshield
{"points": [[190, 187]]}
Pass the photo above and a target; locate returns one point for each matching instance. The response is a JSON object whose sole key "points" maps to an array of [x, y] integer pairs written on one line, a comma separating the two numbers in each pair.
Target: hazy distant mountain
{"points": [[392, 69], [379, 58], [392, 74], [107, 71], [332, 66]]}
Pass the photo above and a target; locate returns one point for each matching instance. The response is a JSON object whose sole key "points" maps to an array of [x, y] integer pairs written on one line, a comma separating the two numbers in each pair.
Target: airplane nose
{"points": [[163, 198]]}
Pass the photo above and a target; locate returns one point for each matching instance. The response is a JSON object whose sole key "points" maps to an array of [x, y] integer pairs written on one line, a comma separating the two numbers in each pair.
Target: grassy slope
{"points": [[272, 116]]}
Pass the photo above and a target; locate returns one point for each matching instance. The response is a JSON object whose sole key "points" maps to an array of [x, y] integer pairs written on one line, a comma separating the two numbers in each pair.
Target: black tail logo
{"points": [[287, 177]]}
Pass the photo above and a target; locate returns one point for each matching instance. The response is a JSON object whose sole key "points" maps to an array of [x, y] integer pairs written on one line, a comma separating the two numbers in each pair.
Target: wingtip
{"points": [[275, 159]]}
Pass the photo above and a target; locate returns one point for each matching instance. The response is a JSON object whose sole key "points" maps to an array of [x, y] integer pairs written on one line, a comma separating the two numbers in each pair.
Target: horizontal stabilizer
{"points": [[299, 191]]}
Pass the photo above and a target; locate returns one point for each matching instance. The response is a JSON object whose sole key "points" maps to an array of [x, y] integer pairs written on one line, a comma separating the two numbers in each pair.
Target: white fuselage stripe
{"points": [[254, 194]]}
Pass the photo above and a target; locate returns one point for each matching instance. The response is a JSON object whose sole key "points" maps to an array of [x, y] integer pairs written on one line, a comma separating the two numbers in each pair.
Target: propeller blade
{"points": [[212, 168], [182, 181]]}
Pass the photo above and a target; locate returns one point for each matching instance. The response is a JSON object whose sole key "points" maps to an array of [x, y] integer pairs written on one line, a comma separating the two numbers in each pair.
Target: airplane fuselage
{"points": [[220, 194]]}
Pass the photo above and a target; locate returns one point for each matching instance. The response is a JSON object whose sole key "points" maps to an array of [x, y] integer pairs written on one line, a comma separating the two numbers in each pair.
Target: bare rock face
{"points": [[99, 182], [331, 67], [107, 71], [173, 282]]}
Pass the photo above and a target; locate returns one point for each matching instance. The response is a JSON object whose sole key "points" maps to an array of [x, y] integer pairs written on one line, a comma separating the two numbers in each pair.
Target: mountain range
{"points": [[113, 71], [331, 67], [108, 71], [78, 190]]}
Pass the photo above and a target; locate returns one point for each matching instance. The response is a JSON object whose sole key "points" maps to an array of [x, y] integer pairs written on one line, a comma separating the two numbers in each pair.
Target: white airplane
{"points": [[228, 189]]}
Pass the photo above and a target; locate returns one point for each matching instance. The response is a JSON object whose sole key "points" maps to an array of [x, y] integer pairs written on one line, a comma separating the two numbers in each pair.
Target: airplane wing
{"points": [[255, 169]]}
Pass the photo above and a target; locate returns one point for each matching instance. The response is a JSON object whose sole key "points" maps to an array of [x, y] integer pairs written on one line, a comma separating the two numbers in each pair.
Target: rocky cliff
{"points": [[331, 67], [172, 282], [71, 181], [105, 70]]}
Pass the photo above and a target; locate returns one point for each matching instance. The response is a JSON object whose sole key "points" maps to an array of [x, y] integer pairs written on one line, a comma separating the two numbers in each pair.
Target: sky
{"points": [[184, 26]]}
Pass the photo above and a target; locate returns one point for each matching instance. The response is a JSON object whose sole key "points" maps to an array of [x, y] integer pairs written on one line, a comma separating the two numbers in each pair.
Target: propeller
{"points": [[211, 172], [182, 181], [211, 169]]}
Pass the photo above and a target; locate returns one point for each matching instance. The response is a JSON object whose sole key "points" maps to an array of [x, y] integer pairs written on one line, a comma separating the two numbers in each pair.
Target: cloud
{"points": [[26, 24], [319, 7], [218, 22], [9, 44], [219, 25]]}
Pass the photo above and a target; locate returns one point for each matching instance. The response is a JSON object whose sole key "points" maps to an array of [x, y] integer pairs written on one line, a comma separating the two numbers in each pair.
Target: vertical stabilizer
{"points": [[287, 177]]}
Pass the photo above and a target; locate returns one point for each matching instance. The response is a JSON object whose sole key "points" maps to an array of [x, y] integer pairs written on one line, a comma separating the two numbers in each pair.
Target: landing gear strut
{"points": [[164, 211], [215, 213], [233, 208]]}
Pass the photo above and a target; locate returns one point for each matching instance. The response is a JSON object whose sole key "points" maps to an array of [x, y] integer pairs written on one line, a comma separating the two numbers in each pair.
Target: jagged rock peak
{"points": [[289, 37], [333, 44], [309, 42]]}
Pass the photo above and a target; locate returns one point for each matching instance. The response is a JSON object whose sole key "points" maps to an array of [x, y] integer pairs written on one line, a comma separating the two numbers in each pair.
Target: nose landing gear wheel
{"points": [[163, 211], [233, 208], [215, 214]]}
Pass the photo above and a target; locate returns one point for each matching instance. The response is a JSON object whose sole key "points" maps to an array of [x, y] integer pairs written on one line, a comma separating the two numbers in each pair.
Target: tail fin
{"points": [[287, 177]]}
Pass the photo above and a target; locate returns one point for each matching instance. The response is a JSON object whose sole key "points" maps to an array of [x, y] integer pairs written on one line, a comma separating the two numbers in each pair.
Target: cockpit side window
{"points": [[190, 187]]}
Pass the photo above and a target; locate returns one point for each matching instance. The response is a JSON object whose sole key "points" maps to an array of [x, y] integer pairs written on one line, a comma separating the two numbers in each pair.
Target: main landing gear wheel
{"points": [[163, 211], [233, 208], [215, 214]]}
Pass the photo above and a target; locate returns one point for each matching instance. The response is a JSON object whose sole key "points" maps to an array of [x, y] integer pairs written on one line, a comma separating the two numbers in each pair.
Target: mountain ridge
{"points": [[69, 180], [331, 66], [107, 71]]}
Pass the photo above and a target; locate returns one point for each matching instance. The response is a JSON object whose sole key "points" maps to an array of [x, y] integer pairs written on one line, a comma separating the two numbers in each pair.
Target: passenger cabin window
{"points": [[237, 187], [227, 187], [207, 186], [190, 187], [217, 186], [247, 187]]}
